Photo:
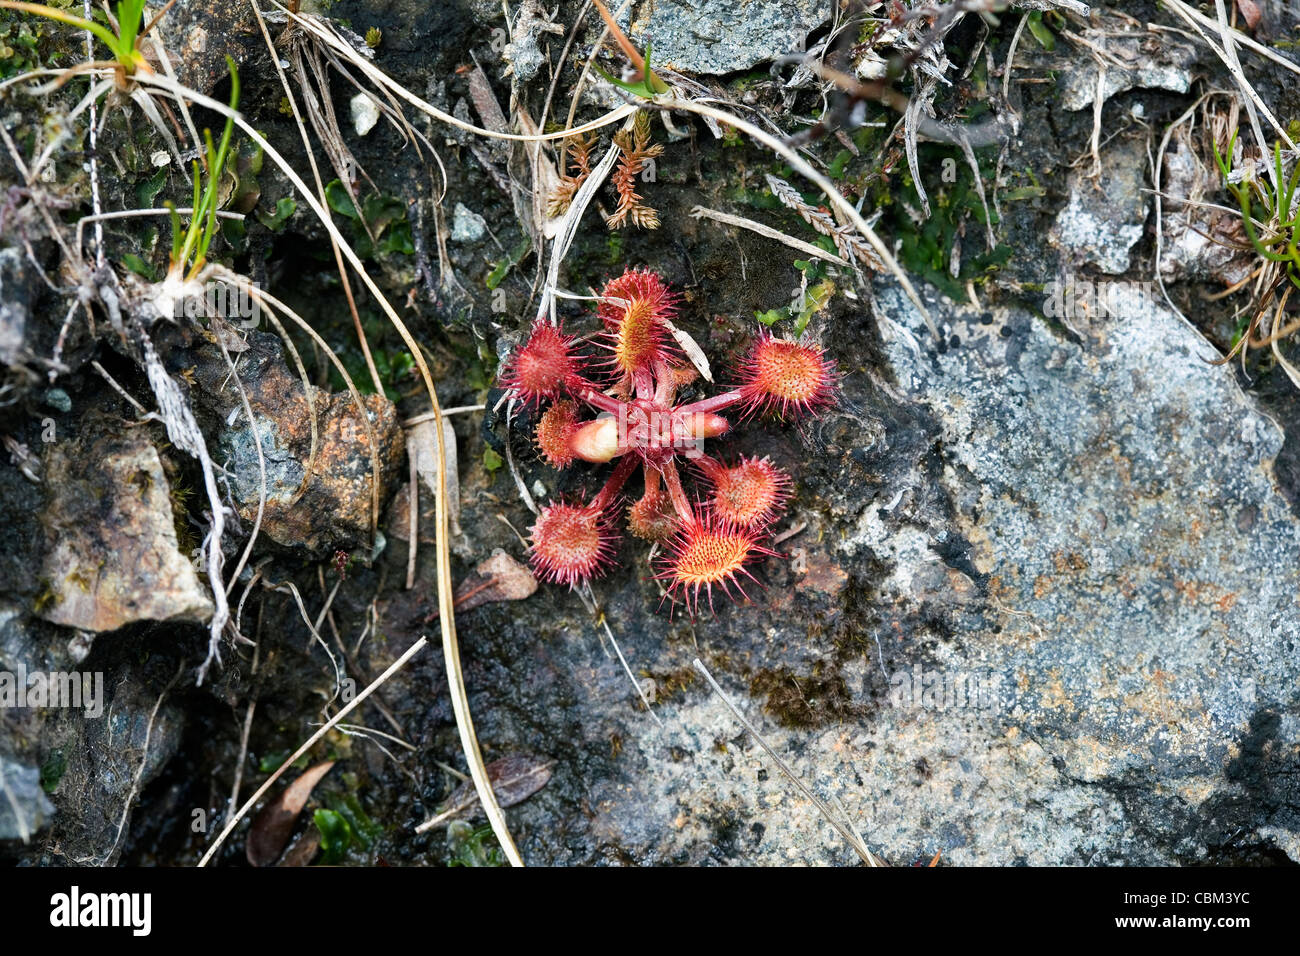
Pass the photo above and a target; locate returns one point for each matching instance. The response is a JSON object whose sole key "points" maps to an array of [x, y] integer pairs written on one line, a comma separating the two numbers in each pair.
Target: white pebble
{"points": [[365, 114]]}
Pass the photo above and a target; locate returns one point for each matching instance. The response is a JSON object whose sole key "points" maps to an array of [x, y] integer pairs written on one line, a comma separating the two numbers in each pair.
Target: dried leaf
{"points": [[485, 101], [692, 350], [561, 196], [273, 825], [533, 163], [422, 444], [1250, 11], [303, 851], [499, 578], [849, 244], [514, 779]]}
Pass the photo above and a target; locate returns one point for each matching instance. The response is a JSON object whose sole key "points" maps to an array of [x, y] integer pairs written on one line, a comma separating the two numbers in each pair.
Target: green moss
{"points": [[30, 43], [386, 217], [53, 769], [467, 846], [927, 247]]}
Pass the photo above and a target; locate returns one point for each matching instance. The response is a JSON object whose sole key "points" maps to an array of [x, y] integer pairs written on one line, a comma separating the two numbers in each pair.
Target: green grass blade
{"points": [[51, 13]]}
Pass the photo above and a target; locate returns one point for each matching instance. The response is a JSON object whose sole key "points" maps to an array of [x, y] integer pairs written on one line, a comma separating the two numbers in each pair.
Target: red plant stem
{"points": [[622, 471], [621, 38], [714, 403], [598, 399], [710, 466], [645, 386], [665, 389], [673, 481]]}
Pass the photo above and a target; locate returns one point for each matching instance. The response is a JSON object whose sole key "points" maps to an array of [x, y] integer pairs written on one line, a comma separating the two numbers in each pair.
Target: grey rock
{"points": [[31, 644], [1199, 242], [466, 225], [530, 27], [1145, 635], [1074, 6], [722, 36], [18, 287], [75, 769], [1105, 215], [1154, 62], [58, 399], [24, 807], [199, 36], [113, 557], [105, 762]]}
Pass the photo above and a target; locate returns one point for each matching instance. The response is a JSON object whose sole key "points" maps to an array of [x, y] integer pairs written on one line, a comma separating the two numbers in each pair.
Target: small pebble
{"points": [[57, 398], [466, 225], [365, 114]]}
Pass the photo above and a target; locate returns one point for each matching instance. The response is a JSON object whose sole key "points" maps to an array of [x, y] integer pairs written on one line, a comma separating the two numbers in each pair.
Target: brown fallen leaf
{"points": [[273, 825], [1250, 11], [514, 779], [498, 578], [303, 850]]}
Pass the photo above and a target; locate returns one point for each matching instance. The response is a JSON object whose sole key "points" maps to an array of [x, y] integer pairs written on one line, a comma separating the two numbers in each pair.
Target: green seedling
{"points": [[649, 85], [1281, 246], [190, 246], [124, 44], [1275, 237]]}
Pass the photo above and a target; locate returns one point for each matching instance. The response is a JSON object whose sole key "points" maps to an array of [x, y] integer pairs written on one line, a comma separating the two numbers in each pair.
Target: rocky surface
{"points": [[329, 509], [1088, 659], [722, 36], [17, 287], [1122, 59], [113, 557], [1104, 217], [72, 770], [26, 808]]}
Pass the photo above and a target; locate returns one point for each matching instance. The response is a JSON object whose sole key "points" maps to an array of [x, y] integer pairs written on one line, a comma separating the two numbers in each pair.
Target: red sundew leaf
{"points": [[273, 825]]}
